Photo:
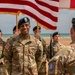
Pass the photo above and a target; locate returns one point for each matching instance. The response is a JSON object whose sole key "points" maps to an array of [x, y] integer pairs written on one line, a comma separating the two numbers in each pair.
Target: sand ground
{"points": [[65, 41]]}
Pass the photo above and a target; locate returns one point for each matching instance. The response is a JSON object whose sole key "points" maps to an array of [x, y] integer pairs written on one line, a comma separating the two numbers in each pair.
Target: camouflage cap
{"points": [[55, 33], [35, 28], [23, 20]]}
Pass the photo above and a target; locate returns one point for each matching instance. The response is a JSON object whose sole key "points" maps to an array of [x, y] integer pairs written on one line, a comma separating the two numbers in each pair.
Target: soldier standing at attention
{"points": [[53, 48], [23, 55], [55, 45], [66, 56], [2, 44], [56, 42], [37, 34]]}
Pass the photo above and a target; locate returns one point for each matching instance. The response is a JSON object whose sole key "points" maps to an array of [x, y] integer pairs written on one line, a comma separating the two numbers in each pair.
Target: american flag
{"points": [[44, 12]]}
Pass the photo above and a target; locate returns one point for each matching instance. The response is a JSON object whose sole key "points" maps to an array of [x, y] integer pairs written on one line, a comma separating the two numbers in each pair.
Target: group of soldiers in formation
{"points": [[23, 54]]}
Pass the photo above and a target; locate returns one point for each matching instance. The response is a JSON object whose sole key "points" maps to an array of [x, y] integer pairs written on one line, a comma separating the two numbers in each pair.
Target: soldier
{"points": [[37, 32], [21, 52], [2, 44], [55, 44], [15, 33], [65, 58], [42, 67]]}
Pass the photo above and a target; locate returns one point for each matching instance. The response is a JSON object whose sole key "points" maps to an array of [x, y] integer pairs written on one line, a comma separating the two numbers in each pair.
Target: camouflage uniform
{"points": [[42, 70], [43, 43], [64, 61], [20, 55], [56, 48], [2, 67]]}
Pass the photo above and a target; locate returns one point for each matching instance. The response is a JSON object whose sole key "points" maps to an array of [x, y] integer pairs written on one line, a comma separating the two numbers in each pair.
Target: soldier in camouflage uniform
{"points": [[2, 44], [56, 45], [37, 32], [42, 67], [65, 58], [23, 53]]}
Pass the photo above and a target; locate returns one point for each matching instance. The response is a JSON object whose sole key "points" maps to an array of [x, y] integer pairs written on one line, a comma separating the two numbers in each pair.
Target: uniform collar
{"points": [[20, 39]]}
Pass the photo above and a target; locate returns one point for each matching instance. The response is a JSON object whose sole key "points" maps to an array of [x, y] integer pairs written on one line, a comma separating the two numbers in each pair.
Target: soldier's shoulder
{"points": [[34, 39], [43, 39], [10, 42], [66, 49], [12, 39], [2, 41]]}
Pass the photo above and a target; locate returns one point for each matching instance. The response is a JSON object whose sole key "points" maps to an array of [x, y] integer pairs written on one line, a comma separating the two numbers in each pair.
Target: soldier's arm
{"points": [[44, 46], [48, 51], [39, 53], [8, 58], [3, 49], [62, 53], [62, 56]]}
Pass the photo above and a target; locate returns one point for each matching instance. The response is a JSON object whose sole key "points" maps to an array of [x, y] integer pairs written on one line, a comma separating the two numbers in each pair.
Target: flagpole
{"points": [[37, 26], [17, 22], [17, 31]]}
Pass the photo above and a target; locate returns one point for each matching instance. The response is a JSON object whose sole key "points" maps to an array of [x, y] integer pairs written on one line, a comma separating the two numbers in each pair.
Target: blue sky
{"points": [[7, 22]]}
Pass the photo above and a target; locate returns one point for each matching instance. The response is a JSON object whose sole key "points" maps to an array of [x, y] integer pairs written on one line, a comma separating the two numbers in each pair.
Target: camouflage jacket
{"points": [[2, 44], [21, 54], [64, 61], [56, 48], [44, 44]]}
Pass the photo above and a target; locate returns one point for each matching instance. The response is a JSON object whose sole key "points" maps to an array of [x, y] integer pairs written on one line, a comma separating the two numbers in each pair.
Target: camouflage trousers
{"points": [[27, 71], [42, 70], [2, 69], [55, 68], [69, 70]]}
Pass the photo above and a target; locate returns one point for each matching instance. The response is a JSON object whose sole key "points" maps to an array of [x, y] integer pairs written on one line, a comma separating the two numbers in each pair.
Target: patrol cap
{"points": [[23, 20], [35, 28], [73, 22], [55, 33], [14, 28], [0, 31]]}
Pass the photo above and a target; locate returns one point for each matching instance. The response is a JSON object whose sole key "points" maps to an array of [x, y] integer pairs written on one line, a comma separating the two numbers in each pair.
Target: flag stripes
{"points": [[44, 11]]}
